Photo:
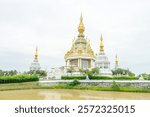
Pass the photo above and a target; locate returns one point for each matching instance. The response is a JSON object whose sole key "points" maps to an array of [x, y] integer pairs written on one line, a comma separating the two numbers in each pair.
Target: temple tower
{"points": [[102, 62], [80, 56], [35, 64]]}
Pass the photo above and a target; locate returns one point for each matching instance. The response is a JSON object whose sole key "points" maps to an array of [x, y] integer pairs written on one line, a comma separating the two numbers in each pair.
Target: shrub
{"points": [[122, 72], [38, 72], [125, 78], [115, 86], [18, 78], [91, 77], [73, 77], [93, 71], [74, 83], [6, 73], [112, 78], [145, 76]]}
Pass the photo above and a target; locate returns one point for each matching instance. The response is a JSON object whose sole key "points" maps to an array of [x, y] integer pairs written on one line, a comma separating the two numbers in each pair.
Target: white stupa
{"points": [[35, 64], [102, 62]]}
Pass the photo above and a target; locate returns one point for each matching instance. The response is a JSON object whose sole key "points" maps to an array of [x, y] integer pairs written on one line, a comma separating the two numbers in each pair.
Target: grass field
{"points": [[34, 85], [18, 86]]}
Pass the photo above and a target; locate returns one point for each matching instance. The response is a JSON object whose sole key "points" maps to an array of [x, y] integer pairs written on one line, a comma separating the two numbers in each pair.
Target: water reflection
{"points": [[66, 94]]}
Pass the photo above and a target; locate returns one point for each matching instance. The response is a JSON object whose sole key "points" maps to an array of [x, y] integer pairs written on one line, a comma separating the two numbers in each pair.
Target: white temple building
{"points": [[81, 57], [56, 73], [35, 64], [102, 62]]}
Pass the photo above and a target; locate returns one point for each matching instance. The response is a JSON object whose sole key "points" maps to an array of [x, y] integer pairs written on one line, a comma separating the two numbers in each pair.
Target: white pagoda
{"points": [[35, 66], [102, 62]]}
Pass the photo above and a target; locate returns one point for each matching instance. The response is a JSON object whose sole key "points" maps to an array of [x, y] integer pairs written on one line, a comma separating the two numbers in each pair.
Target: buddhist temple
{"points": [[81, 55]]}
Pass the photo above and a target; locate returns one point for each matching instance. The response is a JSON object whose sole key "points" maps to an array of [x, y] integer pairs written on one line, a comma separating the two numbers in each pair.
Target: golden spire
{"points": [[36, 54], [101, 44], [116, 60], [81, 25]]}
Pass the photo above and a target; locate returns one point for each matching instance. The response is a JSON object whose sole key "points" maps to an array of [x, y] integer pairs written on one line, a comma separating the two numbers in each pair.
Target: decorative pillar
{"points": [[102, 65], [91, 63], [80, 62], [68, 63]]}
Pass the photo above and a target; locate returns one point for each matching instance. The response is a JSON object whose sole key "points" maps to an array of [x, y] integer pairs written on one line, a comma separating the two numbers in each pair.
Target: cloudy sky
{"points": [[52, 25]]}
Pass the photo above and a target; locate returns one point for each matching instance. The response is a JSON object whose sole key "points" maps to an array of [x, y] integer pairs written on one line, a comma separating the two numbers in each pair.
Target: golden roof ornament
{"points": [[89, 49], [81, 26], [101, 44], [81, 45]]}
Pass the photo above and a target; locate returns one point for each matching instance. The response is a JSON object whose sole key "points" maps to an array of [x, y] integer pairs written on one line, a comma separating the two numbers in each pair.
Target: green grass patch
{"points": [[96, 88], [19, 86], [18, 78], [35, 85]]}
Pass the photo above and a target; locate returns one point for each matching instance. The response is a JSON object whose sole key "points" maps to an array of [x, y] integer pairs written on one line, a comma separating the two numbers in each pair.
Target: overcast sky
{"points": [[52, 25]]}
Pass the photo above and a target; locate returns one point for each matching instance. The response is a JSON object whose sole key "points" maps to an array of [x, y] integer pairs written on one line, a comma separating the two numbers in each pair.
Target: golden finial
{"points": [[116, 60], [81, 25], [36, 54], [101, 44]]}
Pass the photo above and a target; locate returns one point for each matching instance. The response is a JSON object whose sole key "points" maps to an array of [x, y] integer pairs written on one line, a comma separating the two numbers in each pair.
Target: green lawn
{"points": [[95, 88], [18, 86], [34, 85]]}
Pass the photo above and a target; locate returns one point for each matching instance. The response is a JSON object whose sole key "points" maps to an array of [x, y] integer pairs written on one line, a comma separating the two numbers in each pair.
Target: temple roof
{"points": [[80, 45]]}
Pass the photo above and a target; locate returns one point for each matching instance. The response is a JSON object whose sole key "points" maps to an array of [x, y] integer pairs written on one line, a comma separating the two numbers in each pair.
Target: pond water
{"points": [[66, 94]]}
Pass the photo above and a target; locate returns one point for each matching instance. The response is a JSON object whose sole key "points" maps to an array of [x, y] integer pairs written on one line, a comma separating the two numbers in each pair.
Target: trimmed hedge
{"points": [[99, 77], [125, 78], [112, 78], [73, 77], [18, 78]]}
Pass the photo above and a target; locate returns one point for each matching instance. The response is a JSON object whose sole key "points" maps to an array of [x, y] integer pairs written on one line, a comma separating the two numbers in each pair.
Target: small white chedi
{"points": [[35, 64], [102, 62]]}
